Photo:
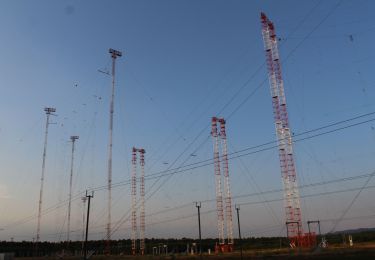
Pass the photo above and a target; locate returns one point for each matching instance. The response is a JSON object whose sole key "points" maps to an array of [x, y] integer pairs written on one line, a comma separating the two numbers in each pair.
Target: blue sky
{"points": [[183, 62]]}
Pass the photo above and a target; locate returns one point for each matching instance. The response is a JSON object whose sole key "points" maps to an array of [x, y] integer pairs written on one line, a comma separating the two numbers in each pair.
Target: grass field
{"points": [[359, 251]]}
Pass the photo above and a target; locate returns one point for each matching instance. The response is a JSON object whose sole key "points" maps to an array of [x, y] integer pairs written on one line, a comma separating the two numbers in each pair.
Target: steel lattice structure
{"points": [[73, 138], [49, 111], [114, 55], [284, 137], [134, 201], [221, 164]]}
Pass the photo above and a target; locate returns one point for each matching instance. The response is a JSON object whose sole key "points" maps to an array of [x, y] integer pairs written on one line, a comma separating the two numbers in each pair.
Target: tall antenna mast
{"points": [[49, 111], [73, 138], [219, 194], [142, 193], [228, 195], [141, 152], [284, 137], [134, 200], [114, 55]]}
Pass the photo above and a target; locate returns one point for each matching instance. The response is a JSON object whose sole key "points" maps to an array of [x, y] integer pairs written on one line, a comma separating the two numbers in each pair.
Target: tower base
{"points": [[306, 240], [223, 248]]}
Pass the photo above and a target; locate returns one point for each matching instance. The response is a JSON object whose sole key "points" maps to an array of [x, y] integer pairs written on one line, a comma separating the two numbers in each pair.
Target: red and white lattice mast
{"points": [[219, 195], [134, 201], [284, 137], [142, 210]]}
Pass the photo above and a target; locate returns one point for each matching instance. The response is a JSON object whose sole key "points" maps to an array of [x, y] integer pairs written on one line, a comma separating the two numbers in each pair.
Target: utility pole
{"points": [[49, 111], [83, 222], [239, 227], [313, 235], [114, 55], [314, 221], [89, 197], [199, 205], [73, 138]]}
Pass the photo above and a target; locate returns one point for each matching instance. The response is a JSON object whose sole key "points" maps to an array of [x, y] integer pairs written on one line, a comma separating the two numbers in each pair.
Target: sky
{"points": [[184, 62]]}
